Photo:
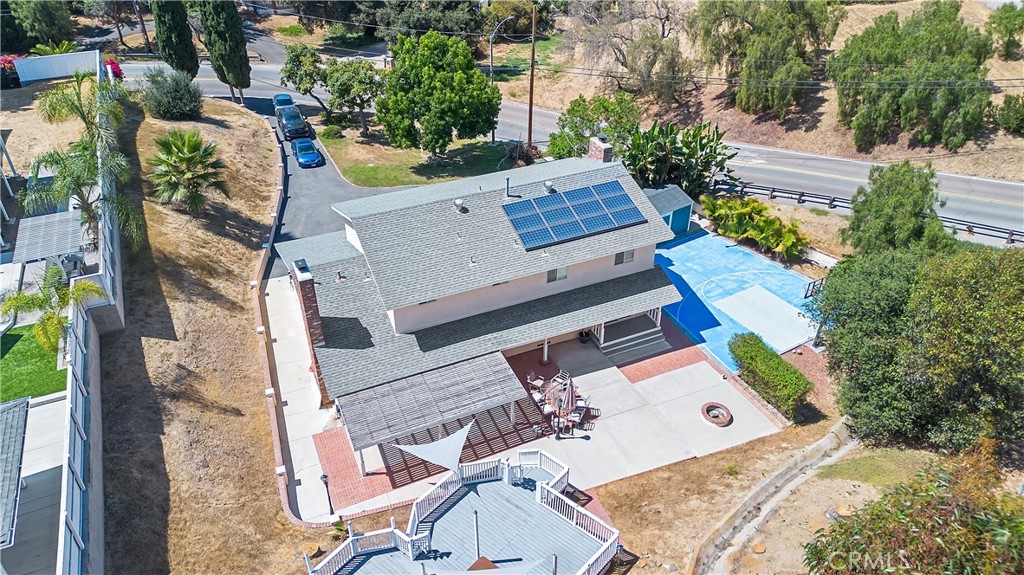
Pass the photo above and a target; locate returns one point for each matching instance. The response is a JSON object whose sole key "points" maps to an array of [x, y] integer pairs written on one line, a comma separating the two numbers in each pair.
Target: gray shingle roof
{"points": [[667, 199], [317, 250], [361, 349], [13, 418], [411, 404], [421, 248]]}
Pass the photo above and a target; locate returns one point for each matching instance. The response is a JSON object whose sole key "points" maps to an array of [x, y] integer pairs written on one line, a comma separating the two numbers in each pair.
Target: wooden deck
{"points": [[515, 531]]}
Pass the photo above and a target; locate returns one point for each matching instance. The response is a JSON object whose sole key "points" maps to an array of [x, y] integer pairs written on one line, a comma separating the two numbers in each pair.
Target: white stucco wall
{"points": [[415, 317]]}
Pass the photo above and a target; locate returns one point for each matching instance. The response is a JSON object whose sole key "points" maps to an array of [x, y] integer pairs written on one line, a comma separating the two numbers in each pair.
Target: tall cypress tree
{"points": [[226, 42], [174, 36]]}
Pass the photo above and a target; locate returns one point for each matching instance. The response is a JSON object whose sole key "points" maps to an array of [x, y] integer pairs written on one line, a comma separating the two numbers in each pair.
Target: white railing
{"points": [[374, 541], [597, 563], [548, 494], [481, 471], [430, 500]]}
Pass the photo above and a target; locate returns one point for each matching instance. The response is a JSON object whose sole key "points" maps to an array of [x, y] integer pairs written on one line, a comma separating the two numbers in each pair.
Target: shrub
{"points": [[779, 383], [747, 218], [293, 30], [331, 133], [172, 96], [1010, 116]]}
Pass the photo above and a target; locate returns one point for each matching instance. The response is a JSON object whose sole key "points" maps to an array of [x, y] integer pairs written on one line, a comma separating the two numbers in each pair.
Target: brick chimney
{"points": [[600, 149], [307, 301]]}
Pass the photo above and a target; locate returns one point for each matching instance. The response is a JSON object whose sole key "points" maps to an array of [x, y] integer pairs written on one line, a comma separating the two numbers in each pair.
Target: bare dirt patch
{"points": [[188, 460], [25, 133], [821, 227], [858, 479]]}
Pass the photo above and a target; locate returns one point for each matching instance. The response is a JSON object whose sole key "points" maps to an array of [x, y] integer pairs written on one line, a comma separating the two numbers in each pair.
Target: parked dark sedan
{"points": [[306, 153], [283, 101], [291, 122]]}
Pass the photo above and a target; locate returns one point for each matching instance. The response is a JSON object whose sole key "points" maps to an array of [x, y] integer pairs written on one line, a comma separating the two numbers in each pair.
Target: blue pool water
{"points": [[705, 269]]}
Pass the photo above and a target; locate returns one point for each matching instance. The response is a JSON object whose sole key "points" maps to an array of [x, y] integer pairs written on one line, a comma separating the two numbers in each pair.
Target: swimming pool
{"points": [[726, 289]]}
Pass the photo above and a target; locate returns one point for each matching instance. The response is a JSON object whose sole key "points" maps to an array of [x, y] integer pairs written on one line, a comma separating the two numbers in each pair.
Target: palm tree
{"points": [[76, 173], [87, 101], [53, 301], [51, 48], [655, 157], [185, 169]]}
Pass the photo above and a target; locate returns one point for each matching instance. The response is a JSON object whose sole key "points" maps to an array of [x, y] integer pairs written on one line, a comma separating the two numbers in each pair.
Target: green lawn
{"points": [[26, 369], [883, 467], [518, 56], [373, 165]]}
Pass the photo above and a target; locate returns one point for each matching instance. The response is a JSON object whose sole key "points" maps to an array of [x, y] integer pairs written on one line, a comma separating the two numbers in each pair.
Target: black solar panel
{"points": [[573, 214]]}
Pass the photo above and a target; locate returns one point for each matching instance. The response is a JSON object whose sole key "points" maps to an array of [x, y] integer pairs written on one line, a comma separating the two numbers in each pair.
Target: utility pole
{"points": [[533, 62], [142, 24]]}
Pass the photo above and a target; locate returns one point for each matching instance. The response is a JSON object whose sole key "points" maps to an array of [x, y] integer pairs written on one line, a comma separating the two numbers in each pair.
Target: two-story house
{"points": [[412, 309]]}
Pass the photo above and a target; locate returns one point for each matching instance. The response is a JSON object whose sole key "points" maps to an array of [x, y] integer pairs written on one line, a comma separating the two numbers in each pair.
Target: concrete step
{"points": [[633, 340], [632, 354]]}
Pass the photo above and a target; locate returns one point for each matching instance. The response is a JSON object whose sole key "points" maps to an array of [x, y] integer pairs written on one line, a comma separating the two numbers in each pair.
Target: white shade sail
{"points": [[444, 452]]}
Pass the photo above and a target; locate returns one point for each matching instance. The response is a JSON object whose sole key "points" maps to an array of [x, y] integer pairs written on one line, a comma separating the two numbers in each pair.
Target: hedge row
{"points": [[778, 382]]}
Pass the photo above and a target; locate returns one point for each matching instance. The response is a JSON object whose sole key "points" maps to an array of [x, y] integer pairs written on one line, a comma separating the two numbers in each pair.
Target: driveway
{"points": [[309, 193]]}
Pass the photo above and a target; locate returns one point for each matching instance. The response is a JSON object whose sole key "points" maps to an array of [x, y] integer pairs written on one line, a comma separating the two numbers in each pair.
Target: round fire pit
{"points": [[716, 413]]}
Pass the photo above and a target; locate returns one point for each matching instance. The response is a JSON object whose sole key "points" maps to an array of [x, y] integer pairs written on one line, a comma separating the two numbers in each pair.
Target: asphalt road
{"points": [[994, 202]]}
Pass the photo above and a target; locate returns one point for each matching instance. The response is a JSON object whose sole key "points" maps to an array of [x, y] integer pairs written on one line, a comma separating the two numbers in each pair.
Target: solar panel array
{"points": [[573, 214]]}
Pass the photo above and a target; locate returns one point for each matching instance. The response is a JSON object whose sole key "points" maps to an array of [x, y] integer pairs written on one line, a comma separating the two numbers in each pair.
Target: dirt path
{"points": [[188, 462]]}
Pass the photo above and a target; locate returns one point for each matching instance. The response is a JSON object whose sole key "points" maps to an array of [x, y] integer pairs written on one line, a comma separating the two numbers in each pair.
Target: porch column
{"points": [[512, 413], [544, 360], [362, 464], [657, 316]]}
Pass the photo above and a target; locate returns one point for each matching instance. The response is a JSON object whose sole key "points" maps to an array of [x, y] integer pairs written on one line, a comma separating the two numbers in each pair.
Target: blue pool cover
{"points": [[705, 269]]}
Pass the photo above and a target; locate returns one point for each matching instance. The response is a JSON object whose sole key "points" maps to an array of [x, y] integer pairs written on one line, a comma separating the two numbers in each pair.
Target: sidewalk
{"points": [[299, 402]]}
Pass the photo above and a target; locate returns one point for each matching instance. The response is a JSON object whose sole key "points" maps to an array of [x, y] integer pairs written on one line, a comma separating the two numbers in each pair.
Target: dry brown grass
{"points": [[25, 133], [816, 128], [822, 229], [188, 456], [666, 512]]}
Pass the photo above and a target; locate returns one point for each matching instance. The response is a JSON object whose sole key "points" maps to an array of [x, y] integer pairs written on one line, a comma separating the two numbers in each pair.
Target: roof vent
{"points": [[459, 205], [341, 278], [549, 186]]}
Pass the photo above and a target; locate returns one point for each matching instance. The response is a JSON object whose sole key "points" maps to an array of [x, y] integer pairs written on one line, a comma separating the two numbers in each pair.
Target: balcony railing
{"points": [[548, 494]]}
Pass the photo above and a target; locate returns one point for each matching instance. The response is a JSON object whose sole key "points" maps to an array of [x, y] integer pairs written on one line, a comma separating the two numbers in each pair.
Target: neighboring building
{"points": [[412, 309]]}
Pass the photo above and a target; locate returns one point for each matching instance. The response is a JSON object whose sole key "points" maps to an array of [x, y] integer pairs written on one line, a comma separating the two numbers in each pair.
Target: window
{"points": [[499, 284], [426, 302], [624, 257], [557, 274]]}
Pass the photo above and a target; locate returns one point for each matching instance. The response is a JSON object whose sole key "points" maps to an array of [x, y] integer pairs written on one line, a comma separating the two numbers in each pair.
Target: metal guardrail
{"points": [[957, 225]]}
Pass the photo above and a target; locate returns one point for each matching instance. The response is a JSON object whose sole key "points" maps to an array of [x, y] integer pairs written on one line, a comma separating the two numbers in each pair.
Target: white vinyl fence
{"points": [[37, 68]]}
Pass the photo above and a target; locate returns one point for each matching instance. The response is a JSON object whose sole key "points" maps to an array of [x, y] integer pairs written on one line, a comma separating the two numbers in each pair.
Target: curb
{"points": [[720, 537]]}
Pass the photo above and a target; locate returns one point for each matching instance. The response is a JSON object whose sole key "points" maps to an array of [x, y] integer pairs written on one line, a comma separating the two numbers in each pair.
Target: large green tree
{"points": [[928, 346], [925, 76], [965, 344], [174, 36], [304, 69], [433, 90], [43, 21], [1006, 24], [895, 210], [412, 19], [13, 38], [225, 41], [766, 45], [354, 85], [617, 117]]}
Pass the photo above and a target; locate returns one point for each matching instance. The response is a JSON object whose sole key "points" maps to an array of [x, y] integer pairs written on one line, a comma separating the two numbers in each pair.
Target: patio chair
{"points": [[537, 396], [546, 409], [535, 380]]}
